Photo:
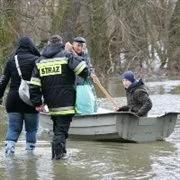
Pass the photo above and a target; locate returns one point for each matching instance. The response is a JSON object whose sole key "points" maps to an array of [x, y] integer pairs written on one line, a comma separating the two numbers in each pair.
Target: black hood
{"points": [[25, 44], [52, 49]]}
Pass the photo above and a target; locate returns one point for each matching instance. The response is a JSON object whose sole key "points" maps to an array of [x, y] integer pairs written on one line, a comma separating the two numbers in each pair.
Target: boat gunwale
{"points": [[75, 117]]}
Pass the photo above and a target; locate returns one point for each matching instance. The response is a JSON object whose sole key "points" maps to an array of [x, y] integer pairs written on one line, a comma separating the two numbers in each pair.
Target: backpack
{"points": [[24, 87]]}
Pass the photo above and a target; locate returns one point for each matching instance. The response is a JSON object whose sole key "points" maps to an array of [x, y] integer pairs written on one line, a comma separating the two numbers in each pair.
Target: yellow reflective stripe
{"points": [[61, 108], [51, 63], [66, 112], [49, 71], [54, 59], [80, 67], [35, 81], [51, 66]]}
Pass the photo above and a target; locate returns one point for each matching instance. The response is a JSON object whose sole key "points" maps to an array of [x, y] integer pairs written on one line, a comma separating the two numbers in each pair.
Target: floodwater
{"points": [[103, 160]]}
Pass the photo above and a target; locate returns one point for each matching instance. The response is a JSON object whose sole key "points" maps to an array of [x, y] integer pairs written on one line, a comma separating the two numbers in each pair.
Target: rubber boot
{"points": [[57, 151], [10, 148], [64, 149]]}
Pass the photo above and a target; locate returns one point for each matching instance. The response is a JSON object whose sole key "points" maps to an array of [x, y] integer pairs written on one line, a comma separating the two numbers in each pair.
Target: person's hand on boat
{"points": [[40, 108], [123, 108], [135, 114], [139, 113]]}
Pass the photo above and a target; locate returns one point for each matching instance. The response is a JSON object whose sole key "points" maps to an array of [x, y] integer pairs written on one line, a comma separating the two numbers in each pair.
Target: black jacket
{"points": [[138, 100], [27, 55], [54, 77]]}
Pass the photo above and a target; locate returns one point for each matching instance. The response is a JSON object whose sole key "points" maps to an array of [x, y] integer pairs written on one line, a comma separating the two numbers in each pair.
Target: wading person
{"points": [[53, 78], [18, 111], [138, 100]]}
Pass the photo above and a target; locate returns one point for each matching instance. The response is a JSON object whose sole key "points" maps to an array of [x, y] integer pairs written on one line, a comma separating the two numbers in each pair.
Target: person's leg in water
{"points": [[31, 127], [14, 130], [61, 126]]}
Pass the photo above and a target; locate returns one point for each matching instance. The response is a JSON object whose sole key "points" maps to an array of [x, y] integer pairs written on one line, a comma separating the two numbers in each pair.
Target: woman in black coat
{"points": [[17, 110]]}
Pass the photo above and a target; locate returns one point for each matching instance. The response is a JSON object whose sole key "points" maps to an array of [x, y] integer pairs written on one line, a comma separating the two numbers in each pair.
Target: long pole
{"points": [[105, 92]]}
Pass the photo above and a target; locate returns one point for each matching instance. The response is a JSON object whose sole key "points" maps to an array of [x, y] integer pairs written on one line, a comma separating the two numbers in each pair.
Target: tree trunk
{"points": [[174, 40]]}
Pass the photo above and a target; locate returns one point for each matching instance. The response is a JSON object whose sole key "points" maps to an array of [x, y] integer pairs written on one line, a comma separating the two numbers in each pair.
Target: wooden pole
{"points": [[104, 91]]}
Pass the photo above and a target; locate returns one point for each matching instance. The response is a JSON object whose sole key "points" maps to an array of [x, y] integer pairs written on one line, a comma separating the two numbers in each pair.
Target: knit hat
{"points": [[129, 75]]}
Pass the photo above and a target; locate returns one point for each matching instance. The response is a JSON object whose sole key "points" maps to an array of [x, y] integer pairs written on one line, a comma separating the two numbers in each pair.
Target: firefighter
{"points": [[53, 78]]}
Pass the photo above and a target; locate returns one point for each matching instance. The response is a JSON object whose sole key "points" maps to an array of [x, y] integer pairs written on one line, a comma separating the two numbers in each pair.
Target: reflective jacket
{"points": [[54, 77]]}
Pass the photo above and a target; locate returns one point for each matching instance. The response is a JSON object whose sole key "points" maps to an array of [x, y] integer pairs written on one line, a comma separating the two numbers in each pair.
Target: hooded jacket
{"points": [[138, 100], [27, 55], [54, 77]]}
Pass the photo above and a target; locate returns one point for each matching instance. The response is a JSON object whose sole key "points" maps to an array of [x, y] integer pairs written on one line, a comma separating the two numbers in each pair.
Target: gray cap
{"points": [[79, 39]]}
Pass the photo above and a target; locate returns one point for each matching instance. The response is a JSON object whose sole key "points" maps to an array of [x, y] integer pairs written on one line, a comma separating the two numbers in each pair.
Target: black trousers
{"points": [[61, 126]]}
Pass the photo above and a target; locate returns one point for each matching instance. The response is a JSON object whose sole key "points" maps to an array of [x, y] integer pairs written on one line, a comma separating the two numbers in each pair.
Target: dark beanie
{"points": [[129, 75]]}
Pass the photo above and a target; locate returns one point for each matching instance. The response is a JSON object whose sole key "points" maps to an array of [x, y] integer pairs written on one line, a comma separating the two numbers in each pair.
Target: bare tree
{"points": [[121, 34], [174, 40]]}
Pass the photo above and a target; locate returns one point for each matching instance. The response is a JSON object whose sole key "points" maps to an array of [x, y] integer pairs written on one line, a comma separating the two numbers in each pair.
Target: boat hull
{"points": [[116, 126]]}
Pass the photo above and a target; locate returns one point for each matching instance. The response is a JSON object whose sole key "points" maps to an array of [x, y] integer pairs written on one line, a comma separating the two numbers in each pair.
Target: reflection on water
{"points": [[103, 160]]}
